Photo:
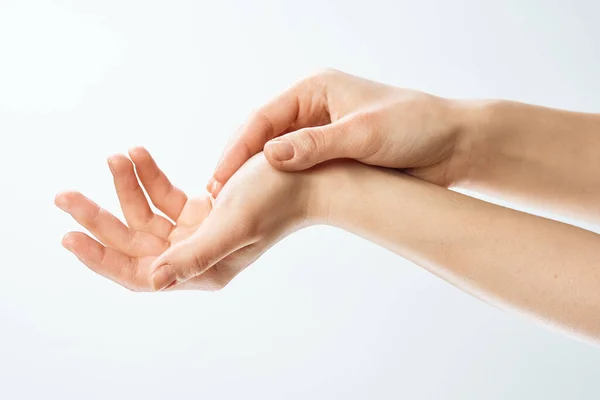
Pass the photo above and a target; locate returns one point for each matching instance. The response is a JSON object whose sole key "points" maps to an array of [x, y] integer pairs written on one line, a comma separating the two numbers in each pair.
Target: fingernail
{"points": [[210, 184], [111, 163], [61, 202], [216, 189], [281, 150], [163, 277]]}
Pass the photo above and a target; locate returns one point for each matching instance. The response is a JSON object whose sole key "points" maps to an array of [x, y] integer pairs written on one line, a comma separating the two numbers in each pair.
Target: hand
{"points": [[337, 115], [208, 244]]}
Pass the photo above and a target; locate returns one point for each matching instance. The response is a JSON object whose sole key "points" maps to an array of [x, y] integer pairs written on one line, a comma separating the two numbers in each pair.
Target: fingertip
{"points": [[138, 153], [117, 162], [59, 200], [112, 161], [209, 185], [63, 200], [216, 189], [69, 241], [227, 166]]}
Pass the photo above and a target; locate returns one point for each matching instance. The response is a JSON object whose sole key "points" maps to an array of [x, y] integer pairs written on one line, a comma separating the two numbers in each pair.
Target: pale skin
{"points": [[541, 267], [235, 229], [535, 155]]}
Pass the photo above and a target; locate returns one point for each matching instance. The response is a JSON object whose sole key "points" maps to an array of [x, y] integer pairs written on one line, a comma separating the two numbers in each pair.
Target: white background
{"points": [[322, 315]]}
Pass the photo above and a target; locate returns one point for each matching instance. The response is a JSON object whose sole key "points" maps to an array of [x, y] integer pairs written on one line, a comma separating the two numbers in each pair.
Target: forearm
{"points": [[544, 157], [542, 267]]}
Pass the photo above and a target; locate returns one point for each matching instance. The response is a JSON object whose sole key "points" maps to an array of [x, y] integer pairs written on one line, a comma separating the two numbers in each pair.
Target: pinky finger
{"points": [[107, 262]]}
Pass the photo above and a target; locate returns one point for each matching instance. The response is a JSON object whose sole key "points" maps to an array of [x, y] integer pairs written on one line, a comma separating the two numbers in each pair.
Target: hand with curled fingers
{"points": [[334, 115], [202, 243]]}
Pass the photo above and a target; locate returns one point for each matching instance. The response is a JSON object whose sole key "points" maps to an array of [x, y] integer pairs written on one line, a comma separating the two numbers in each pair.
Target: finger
{"points": [[306, 147], [166, 197], [137, 211], [303, 105], [107, 262], [217, 237], [106, 227]]}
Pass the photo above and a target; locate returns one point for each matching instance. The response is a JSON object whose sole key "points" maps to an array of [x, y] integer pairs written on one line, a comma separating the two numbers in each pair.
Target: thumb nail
{"points": [[162, 277], [281, 150]]}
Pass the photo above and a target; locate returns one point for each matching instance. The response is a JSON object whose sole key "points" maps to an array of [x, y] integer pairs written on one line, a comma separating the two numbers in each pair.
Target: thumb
{"points": [[213, 241], [306, 147]]}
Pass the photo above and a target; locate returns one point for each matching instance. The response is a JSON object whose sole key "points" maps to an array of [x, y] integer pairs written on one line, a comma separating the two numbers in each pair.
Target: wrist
{"points": [[472, 123], [327, 181]]}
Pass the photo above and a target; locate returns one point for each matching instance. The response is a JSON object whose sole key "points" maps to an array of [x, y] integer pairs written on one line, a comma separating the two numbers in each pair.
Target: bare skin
{"points": [[336, 115], [233, 231], [538, 156], [538, 266], [535, 155]]}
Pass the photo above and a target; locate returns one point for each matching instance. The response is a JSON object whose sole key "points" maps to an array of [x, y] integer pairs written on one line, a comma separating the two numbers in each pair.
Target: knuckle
{"points": [[370, 142], [199, 263], [364, 118], [132, 244], [264, 126], [318, 78], [327, 73], [365, 122], [313, 140], [95, 216], [244, 149]]}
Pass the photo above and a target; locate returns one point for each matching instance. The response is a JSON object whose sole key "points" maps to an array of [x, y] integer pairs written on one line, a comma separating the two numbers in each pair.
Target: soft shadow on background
{"points": [[322, 315]]}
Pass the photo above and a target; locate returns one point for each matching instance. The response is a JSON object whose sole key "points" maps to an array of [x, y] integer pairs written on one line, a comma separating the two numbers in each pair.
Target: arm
{"points": [[545, 157], [541, 267]]}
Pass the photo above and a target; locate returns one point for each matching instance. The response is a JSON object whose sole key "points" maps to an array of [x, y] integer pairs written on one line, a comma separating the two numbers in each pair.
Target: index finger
{"points": [[299, 106]]}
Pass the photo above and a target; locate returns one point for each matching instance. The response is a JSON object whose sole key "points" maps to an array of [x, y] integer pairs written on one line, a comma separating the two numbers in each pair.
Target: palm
{"points": [[129, 251], [192, 214]]}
